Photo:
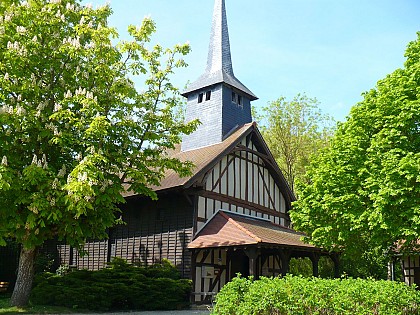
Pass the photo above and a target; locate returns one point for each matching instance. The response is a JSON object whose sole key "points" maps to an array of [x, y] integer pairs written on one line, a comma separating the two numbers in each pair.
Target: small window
{"points": [[200, 97], [234, 97], [239, 100], [208, 95]]}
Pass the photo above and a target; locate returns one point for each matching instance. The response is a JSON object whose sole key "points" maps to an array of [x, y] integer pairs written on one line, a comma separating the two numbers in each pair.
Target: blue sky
{"points": [[329, 49]]}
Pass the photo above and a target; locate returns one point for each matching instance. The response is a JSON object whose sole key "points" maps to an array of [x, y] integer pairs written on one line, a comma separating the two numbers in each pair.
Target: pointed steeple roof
{"points": [[219, 63]]}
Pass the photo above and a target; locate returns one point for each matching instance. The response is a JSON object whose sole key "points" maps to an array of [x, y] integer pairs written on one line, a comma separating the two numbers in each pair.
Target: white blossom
{"points": [[88, 198], [55, 1], [4, 161], [20, 29], [82, 20], [34, 159], [39, 164], [57, 107], [52, 202], [20, 111], [82, 177], [54, 184], [68, 94], [89, 5], [19, 98], [89, 95], [62, 171], [70, 6], [6, 76], [33, 209], [8, 17]]}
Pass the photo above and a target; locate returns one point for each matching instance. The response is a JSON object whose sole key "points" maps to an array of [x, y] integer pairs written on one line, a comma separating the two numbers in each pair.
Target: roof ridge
{"points": [[243, 229]]}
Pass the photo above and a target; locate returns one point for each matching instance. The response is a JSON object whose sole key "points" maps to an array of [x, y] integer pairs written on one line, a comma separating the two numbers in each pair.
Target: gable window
{"points": [[234, 97], [208, 95], [200, 97], [239, 100]]}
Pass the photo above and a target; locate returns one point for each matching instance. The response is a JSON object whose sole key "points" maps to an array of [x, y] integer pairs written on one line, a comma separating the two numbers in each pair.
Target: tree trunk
{"points": [[25, 276]]}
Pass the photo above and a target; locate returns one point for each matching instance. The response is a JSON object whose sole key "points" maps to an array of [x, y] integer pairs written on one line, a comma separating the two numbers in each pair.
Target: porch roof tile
{"points": [[229, 229]]}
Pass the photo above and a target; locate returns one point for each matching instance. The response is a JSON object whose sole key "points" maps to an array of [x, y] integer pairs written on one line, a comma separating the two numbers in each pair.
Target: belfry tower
{"points": [[217, 98]]}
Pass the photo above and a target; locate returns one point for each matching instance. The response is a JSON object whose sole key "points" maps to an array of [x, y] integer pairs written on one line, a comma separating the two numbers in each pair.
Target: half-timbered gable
{"points": [[245, 180]]}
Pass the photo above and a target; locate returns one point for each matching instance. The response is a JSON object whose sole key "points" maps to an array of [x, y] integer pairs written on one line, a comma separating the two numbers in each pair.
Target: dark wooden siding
{"points": [[153, 230], [9, 258]]}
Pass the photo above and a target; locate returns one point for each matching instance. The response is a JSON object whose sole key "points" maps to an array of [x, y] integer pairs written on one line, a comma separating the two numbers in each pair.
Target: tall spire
{"points": [[217, 98], [219, 62], [219, 57]]}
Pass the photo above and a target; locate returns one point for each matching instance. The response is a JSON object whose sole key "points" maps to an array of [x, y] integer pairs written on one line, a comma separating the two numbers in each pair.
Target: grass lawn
{"points": [[5, 308]]}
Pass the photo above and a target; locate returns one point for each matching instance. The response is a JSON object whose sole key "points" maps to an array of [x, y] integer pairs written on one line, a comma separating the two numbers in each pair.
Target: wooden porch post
{"points": [[336, 259], [193, 273], [252, 254], [285, 256], [315, 264]]}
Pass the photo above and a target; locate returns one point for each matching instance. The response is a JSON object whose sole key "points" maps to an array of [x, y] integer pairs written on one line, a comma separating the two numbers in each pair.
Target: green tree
{"points": [[294, 130], [75, 133], [363, 194]]}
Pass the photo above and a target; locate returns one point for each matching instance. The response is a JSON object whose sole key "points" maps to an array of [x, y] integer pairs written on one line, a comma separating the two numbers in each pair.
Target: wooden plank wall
{"points": [[153, 231]]}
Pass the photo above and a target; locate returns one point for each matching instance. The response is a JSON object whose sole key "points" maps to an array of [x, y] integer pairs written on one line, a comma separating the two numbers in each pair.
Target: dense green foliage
{"points": [[363, 192], [294, 130], [120, 287], [75, 131], [307, 296], [303, 267]]}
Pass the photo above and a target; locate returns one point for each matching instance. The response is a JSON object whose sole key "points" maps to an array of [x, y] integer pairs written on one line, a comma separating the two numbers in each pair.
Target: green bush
{"points": [[306, 296], [119, 287]]}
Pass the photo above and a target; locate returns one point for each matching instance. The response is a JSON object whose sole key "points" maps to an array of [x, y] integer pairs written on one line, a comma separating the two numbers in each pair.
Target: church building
{"points": [[231, 215]]}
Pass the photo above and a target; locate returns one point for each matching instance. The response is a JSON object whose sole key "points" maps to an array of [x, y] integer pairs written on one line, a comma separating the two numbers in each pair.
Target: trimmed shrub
{"points": [[309, 296], [119, 287]]}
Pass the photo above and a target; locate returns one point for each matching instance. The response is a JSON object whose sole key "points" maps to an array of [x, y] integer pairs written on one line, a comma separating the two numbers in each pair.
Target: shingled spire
{"points": [[217, 98], [219, 57]]}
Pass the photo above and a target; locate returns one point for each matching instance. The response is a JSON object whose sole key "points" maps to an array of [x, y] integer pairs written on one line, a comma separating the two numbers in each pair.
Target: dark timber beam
{"points": [[252, 254]]}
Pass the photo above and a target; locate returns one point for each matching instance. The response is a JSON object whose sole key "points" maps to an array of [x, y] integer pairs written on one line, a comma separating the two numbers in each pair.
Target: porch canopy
{"points": [[226, 229], [257, 237]]}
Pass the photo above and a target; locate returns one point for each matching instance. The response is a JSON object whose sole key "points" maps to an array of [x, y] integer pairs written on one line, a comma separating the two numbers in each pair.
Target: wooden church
{"points": [[232, 215]]}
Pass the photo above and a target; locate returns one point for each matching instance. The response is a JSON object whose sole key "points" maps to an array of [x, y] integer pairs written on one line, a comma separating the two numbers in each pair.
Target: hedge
{"points": [[120, 287], [307, 296]]}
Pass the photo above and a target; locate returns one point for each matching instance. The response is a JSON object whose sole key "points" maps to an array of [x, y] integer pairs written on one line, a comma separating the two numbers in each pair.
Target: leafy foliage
{"points": [[307, 296], [363, 194], [294, 130], [120, 287], [75, 132]]}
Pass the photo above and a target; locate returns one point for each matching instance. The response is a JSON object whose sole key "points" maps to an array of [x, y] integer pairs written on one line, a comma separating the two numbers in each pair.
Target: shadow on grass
{"points": [[6, 309]]}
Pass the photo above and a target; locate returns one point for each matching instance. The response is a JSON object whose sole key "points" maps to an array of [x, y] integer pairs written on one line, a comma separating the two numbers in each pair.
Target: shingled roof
{"points": [[202, 158], [231, 229]]}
